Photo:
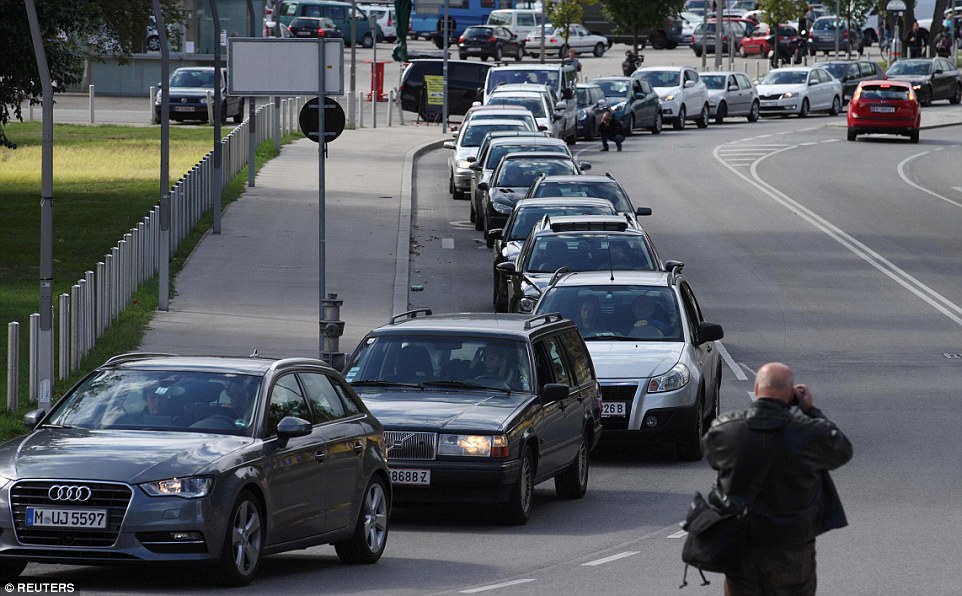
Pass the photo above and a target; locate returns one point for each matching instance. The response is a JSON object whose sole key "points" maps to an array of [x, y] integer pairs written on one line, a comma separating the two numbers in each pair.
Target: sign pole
{"points": [[321, 220], [163, 300], [444, 31]]}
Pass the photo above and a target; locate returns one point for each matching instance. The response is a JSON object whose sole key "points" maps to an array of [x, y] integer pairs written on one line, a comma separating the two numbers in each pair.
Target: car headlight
{"points": [[620, 106], [473, 445], [188, 488], [789, 94], [203, 101], [676, 378], [502, 208], [582, 114], [669, 97], [526, 304], [463, 164], [916, 86]]}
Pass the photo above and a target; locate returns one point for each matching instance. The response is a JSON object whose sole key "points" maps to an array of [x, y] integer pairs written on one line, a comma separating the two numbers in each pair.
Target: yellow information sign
{"points": [[435, 89]]}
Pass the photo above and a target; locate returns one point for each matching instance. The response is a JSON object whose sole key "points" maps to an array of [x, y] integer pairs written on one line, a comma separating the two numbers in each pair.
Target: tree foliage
{"points": [[631, 17], [782, 11], [72, 30], [564, 13]]}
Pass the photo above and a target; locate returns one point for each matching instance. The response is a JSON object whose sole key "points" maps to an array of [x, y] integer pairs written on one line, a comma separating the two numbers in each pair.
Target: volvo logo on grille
{"points": [[69, 492]]}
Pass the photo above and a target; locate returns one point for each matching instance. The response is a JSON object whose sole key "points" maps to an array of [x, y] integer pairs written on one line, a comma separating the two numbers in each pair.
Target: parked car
{"points": [[633, 102], [575, 243], [591, 109], [703, 39], [385, 17], [761, 41], [682, 93], [884, 107], [314, 27], [549, 111], [601, 187], [822, 36], [465, 80], [480, 408], [489, 42], [557, 44], [656, 357], [799, 90], [188, 88], [465, 146], [931, 78], [499, 112], [518, 21], [204, 461], [561, 78], [730, 94], [526, 214], [341, 13], [853, 72]]}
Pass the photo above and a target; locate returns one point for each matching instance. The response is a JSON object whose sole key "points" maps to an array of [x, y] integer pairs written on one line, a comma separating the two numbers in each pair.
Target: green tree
{"points": [[782, 11], [564, 13], [73, 30], [632, 17]]}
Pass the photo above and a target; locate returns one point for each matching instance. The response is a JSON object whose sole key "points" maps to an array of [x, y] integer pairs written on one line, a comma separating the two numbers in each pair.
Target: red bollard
{"points": [[377, 80]]}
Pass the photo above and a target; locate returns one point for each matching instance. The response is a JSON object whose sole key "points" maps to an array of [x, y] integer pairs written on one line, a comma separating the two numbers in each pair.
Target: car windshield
{"points": [[660, 78], [534, 104], [713, 81], [582, 95], [614, 88], [608, 190], [474, 133], [782, 77], [192, 78], [629, 313], [499, 151], [526, 217], [431, 361], [587, 252], [526, 119], [478, 32], [519, 76], [522, 172], [905, 67], [161, 400]]}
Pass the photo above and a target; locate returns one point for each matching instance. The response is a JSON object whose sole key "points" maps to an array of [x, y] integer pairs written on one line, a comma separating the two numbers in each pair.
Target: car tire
{"points": [[243, 544], [956, 98], [451, 184], [914, 136], [689, 447], [11, 569], [520, 55], [925, 96], [659, 40], [659, 123], [500, 296], [721, 112], [599, 50], [239, 116], [803, 112], [754, 112], [153, 43], [572, 483], [698, 52], [836, 106], [472, 216], [851, 134], [367, 41], [741, 51], [498, 53], [370, 532], [517, 509], [478, 219], [703, 117], [463, 57], [488, 238], [484, 58], [630, 128], [679, 122]]}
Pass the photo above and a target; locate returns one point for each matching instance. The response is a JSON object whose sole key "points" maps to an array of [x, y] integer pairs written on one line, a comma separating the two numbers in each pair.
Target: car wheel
{"points": [[851, 134], [803, 112], [484, 58], [488, 238], [472, 216], [370, 532], [721, 112], [925, 96], [679, 123], [599, 50], [957, 97], [703, 118], [630, 128], [914, 136], [572, 483], [241, 554], [689, 447], [698, 52], [659, 40], [478, 219], [451, 183], [367, 41], [836, 106], [11, 569], [517, 509], [498, 53], [463, 57], [239, 116], [520, 54], [753, 113], [741, 51], [153, 43], [500, 296], [659, 122]]}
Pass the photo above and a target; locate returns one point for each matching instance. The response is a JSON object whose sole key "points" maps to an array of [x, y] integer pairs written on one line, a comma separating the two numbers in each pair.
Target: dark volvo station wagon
{"points": [[480, 408]]}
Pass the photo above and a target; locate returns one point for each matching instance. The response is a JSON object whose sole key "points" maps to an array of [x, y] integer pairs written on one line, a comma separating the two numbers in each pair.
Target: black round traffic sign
{"points": [[333, 119]]}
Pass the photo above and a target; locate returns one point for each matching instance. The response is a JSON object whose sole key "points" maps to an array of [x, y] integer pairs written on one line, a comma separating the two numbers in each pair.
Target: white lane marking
{"points": [[751, 396], [958, 188], [748, 368], [886, 267], [496, 586], [833, 141], [609, 559], [447, 242], [730, 362], [906, 180], [807, 144], [678, 534]]}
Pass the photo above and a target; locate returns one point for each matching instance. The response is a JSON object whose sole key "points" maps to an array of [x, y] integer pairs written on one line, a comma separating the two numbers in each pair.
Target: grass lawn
{"points": [[106, 179]]}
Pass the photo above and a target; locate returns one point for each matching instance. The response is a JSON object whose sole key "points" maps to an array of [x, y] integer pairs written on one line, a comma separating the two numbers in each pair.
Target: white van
{"points": [[519, 22], [563, 79], [384, 15]]}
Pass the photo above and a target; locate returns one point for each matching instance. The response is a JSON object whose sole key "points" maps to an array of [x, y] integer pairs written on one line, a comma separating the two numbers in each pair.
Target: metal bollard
{"points": [[390, 107], [91, 94], [34, 347], [360, 111], [75, 327], [210, 108], [332, 328], [13, 366], [153, 99], [63, 349]]}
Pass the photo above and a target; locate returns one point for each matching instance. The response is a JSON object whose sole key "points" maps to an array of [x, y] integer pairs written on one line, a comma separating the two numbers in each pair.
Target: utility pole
{"points": [[218, 109], [163, 274]]}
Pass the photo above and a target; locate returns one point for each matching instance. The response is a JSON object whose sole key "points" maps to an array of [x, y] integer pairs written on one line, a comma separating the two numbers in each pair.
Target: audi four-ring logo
{"points": [[68, 492]]}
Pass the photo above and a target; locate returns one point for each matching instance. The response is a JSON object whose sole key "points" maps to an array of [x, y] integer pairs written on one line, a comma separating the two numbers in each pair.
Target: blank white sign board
{"points": [[283, 66]]}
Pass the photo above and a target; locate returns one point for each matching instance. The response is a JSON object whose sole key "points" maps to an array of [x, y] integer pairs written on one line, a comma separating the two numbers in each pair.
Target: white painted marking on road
{"points": [[807, 144], [730, 362], [833, 141], [447, 242], [751, 396], [958, 188], [678, 534], [748, 368], [905, 178], [609, 559], [496, 586]]}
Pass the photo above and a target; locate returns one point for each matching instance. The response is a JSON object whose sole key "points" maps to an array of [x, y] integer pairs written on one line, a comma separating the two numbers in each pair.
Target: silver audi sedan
{"points": [[203, 461]]}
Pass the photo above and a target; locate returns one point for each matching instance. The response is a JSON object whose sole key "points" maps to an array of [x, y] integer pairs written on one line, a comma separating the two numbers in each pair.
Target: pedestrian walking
{"points": [[916, 41], [611, 129], [572, 60], [794, 499]]}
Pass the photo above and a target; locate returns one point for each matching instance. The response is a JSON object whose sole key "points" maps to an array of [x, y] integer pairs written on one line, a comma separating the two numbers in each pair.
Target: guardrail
{"points": [[98, 299]]}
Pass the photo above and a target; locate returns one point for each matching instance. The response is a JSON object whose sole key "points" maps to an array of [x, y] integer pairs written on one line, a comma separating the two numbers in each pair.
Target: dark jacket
{"points": [[612, 129], [797, 500]]}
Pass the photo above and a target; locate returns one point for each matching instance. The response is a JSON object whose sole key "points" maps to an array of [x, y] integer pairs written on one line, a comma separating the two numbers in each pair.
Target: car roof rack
{"points": [[132, 356], [411, 314], [538, 321]]}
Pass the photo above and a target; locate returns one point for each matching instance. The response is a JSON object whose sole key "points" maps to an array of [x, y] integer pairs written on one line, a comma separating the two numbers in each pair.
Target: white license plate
{"points": [[769, 104], [612, 408], [66, 518], [410, 477], [883, 109], [183, 109]]}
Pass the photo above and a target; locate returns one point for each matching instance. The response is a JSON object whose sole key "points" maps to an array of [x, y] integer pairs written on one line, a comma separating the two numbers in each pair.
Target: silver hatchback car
{"points": [[200, 461]]}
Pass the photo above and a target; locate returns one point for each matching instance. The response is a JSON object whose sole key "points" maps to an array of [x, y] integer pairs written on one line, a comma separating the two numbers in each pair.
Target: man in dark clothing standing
{"points": [[796, 500]]}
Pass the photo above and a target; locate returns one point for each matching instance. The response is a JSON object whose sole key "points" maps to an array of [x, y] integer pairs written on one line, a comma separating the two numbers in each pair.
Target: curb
{"points": [[402, 267]]}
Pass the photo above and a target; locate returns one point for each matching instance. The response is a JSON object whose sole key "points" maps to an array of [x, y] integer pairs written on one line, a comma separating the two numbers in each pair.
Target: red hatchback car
{"points": [[887, 107]]}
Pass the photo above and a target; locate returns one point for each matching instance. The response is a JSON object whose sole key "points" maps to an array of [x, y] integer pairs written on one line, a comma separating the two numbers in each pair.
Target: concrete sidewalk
{"points": [[255, 285]]}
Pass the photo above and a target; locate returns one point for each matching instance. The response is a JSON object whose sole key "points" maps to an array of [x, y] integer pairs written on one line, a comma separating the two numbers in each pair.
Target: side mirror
{"points": [[709, 332], [483, 186], [585, 166], [495, 233], [643, 211], [32, 418], [640, 95], [471, 159], [448, 145], [542, 127], [508, 268], [689, 84], [733, 87], [290, 427], [561, 105], [552, 392], [475, 167], [810, 83]]}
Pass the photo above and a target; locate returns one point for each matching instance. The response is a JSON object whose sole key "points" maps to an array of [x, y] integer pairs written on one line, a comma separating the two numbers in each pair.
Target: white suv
{"points": [[682, 93], [384, 15]]}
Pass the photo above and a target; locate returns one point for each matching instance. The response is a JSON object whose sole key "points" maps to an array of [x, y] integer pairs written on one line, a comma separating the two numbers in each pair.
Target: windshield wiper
{"points": [[462, 384], [52, 425], [379, 383]]}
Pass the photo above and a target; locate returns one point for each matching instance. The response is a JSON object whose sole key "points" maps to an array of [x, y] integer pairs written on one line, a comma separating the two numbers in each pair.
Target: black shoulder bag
{"points": [[716, 534]]}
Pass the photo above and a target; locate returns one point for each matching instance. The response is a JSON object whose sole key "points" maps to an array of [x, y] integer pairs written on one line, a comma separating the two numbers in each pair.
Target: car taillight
{"points": [[858, 94], [389, 21], [553, 40], [492, 39], [320, 33], [461, 39]]}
